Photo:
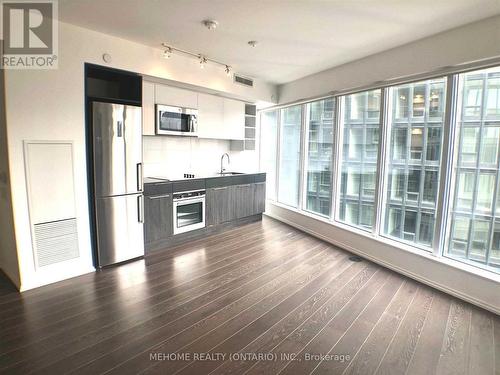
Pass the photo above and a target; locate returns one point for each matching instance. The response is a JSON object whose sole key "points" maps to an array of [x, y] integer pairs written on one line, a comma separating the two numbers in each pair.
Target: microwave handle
{"points": [[192, 124]]}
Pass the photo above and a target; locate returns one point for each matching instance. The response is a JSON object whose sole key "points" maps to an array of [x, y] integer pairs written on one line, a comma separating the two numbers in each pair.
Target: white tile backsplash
{"points": [[172, 156]]}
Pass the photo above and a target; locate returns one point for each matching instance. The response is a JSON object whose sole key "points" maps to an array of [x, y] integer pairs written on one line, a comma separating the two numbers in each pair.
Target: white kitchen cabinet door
{"points": [[148, 108], [174, 96], [210, 116], [234, 119]]}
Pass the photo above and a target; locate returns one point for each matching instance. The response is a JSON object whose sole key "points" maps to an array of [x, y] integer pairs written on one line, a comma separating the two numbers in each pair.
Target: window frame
{"points": [[305, 145], [447, 176]]}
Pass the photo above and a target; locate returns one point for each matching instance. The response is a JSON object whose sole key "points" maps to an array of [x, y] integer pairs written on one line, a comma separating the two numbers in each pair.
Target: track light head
{"points": [[210, 24], [203, 61], [228, 70], [167, 53]]}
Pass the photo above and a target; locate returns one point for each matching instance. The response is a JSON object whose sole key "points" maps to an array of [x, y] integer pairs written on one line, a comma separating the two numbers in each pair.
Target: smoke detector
{"points": [[210, 24]]}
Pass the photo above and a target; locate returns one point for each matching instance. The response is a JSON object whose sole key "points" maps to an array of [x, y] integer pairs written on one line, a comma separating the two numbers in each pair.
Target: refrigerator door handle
{"points": [[140, 177], [119, 129], [140, 208]]}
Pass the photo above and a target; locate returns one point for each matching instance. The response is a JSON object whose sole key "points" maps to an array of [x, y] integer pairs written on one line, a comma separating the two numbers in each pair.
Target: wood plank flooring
{"points": [[263, 298]]}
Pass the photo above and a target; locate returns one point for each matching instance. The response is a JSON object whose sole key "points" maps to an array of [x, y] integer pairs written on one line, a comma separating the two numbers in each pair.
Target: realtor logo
{"points": [[29, 34]]}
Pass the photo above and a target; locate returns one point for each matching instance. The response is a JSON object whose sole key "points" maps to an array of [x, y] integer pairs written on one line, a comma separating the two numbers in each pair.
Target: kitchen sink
{"points": [[230, 173]]}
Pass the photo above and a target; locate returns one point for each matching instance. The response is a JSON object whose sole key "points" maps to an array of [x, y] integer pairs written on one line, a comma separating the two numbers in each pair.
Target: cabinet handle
{"points": [[220, 188], [159, 196], [140, 208], [242, 186], [140, 178]]}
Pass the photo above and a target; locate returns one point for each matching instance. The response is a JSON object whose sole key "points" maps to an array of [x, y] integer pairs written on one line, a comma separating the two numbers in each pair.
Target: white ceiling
{"points": [[296, 38]]}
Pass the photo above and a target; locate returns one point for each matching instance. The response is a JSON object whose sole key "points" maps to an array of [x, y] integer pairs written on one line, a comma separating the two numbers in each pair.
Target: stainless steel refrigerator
{"points": [[118, 182]]}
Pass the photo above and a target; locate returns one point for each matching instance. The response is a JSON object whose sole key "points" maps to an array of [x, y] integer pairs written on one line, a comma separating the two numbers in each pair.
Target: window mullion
{"points": [[446, 168], [278, 155], [384, 139], [303, 157], [337, 149]]}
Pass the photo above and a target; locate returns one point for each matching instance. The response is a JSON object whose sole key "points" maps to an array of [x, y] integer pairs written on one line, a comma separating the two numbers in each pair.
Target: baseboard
{"points": [[39, 283]]}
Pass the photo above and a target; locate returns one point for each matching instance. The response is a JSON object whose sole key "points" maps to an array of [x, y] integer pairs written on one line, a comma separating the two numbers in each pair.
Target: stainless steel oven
{"points": [[176, 120], [189, 211]]}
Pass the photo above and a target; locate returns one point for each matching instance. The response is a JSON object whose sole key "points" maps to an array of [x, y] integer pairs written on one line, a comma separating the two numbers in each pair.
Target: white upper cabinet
{"points": [[234, 119], [174, 96], [210, 116], [218, 118], [148, 108]]}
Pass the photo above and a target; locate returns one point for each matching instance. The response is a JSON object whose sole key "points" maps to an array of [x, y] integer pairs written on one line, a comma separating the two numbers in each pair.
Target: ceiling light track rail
{"points": [[169, 50]]}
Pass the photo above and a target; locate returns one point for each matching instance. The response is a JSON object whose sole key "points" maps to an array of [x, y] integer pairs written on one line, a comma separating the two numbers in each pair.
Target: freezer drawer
{"points": [[120, 233], [117, 149]]}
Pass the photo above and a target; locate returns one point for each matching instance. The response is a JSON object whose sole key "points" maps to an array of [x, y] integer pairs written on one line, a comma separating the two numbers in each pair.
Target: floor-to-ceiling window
{"points": [[320, 127], [416, 118], [406, 163], [475, 212], [268, 150], [360, 133], [290, 155]]}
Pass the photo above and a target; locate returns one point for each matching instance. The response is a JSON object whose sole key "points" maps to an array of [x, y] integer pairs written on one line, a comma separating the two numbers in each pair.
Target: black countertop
{"points": [[159, 185]]}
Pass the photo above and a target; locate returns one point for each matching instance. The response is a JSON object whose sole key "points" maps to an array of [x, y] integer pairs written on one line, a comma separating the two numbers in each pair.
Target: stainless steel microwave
{"points": [[176, 120]]}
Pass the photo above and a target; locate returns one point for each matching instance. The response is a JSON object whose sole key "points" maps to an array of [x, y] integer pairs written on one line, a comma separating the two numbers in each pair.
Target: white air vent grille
{"points": [[243, 80], [56, 241]]}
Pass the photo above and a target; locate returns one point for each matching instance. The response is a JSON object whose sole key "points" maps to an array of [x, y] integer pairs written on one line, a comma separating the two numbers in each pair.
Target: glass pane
{"points": [[189, 214], [466, 183], [399, 146], [319, 156], [413, 168], [268, 150], [402, 101], [289, 171], [460, 236], [475, 213], [489, 150], [359, 158], [468, 151], [426, 229], [493, 100], [431, 178], [433, 144]]}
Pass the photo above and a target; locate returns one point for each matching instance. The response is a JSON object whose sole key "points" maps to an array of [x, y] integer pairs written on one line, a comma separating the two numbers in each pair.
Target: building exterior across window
{"points": [[320, 127], [381, 152], [290, 155], [360, 129], [475, 213], [416, 118]]}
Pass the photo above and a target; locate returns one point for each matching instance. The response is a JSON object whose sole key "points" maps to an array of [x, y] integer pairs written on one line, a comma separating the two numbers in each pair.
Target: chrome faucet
{"points": [[222, 169]]}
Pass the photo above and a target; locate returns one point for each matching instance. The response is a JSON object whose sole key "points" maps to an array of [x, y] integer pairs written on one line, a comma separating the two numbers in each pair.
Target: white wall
{"points": [[173, 156], [480, 288], [49, 105], [8, 254], [476, 41]]}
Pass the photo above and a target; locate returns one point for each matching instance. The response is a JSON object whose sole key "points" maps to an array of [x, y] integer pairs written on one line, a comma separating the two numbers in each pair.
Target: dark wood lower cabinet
{"points": [[259, 201], [226, 206], [158, 218], [220, 205], [244, 200]]}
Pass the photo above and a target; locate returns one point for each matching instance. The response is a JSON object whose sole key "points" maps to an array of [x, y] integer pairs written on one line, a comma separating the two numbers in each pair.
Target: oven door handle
{"points": [[189, 200]]}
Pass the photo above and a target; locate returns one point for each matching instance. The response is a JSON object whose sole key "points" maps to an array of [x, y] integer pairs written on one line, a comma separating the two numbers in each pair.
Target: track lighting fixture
{"points": [[167, 53], [203, 61], [169, 50], [210, 24]]}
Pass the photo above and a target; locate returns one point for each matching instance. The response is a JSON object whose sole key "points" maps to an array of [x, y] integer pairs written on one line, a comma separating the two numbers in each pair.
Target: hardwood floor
{"points": [[259, 299]]}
